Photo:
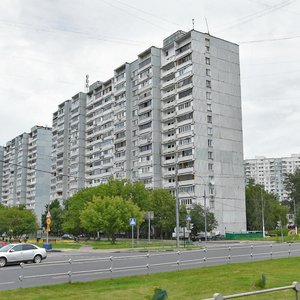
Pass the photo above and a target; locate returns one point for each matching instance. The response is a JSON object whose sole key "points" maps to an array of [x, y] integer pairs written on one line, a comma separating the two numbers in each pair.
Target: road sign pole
{"points": [[149, 228], [132, 239]]}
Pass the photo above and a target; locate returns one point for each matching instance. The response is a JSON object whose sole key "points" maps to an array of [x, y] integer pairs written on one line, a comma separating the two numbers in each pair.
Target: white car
{"points": [[17, 253]]}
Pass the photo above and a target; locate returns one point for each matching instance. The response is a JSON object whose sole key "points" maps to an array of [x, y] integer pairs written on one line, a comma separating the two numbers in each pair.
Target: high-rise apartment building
{"points": [[68, 148], [26, 170], [1, 169], [171, 119], [271, 172]]}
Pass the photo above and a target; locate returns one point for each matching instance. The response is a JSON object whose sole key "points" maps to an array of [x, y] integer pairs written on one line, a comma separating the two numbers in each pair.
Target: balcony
{"points": [[185, 158], [166, 128], [168, 83], [166, 116], [168, 139], [184, 53], [167, 174], [168, 161], [166, 95], [185, 110], [169, 104], [169, 185], [186, 171], [167, 150], [144, 109]]}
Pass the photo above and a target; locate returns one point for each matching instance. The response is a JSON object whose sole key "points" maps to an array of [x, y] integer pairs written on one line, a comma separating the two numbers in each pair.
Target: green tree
{"points": [[56, 212], [17, 221], [257, 201], [292, 186], [136, 192], [197, 214], [110, 215], [163, 205]]}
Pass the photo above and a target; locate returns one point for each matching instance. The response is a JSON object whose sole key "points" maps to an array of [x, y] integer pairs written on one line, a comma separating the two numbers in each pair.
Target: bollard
{"points": [[178, 261], [271, 252], [111, 266], [70, 272], [21, 277], [148, 264], [229, 256]]}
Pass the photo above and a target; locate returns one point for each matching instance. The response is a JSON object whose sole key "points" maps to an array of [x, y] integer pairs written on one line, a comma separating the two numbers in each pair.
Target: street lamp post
{"points": [[262, 212], [211, 183], [177, 200], [205, 215], [295, 220]]}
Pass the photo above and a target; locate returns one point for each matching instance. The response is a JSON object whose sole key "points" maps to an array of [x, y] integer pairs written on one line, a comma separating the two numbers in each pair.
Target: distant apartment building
{"points": [[171, 119], [26, 170], [68, 148], [270, 172], [1, 169]]}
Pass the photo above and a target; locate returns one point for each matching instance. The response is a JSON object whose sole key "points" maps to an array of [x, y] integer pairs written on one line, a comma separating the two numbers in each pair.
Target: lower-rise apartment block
{"points": [[26, 170], [171, 119], [271, 172]]}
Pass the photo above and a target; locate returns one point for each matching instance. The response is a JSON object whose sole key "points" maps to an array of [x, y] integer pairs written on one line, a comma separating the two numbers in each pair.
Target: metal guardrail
{"points": [[295, 286], [147, 266]]}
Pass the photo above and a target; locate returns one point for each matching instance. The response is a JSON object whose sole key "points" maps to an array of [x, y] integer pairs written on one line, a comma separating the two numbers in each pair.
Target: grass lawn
{"points": [[121, 244], [189, 284]]}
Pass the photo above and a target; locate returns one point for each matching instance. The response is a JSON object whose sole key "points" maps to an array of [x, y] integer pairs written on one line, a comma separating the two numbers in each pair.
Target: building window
{"points": [[209, 119], [208, 107], [185, 128], [145, 62], [208, 95], [208, 83], [209, 143], [146, 148], [183, 48], [184, 59], [209, 131], [208, 72], [185, 93], [184, 105], [210, 155], [210, 166], [207, 60], [184, 82]]}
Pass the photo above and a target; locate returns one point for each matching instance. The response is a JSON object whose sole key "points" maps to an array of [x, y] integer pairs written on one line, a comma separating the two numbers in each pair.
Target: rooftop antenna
{"points": [[193, 23], [207, 26], [87, 82]]}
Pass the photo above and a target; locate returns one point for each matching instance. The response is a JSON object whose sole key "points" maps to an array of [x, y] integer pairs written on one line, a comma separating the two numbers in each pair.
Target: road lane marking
{"points": [[10, 282]]}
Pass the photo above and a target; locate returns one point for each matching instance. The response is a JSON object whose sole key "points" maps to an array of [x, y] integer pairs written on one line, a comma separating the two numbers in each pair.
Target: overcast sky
{"points": [[48, 46]]}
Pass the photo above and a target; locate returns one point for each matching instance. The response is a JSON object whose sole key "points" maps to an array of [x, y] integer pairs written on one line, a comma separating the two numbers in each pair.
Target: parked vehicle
{"points": [[68, 236], [2, 244], [17, 253]]}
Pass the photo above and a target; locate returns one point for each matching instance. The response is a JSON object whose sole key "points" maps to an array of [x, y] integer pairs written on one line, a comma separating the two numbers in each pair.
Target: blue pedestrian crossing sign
{"points": [[132, 221]]}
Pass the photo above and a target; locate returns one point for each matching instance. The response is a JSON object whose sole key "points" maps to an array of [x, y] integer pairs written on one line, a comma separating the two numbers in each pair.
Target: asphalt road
{"points": [[76, 265]]}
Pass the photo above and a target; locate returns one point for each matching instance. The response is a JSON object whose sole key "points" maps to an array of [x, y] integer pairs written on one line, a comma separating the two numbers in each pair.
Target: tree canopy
{"points": [[16, 221], [292, 186], [259, 201], [136, 192], [110, 214], [197, 214], [56, 212], [162, 203]]}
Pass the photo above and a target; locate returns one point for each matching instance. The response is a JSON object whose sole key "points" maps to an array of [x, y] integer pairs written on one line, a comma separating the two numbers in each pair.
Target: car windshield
{"points": [[6, 248]]}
